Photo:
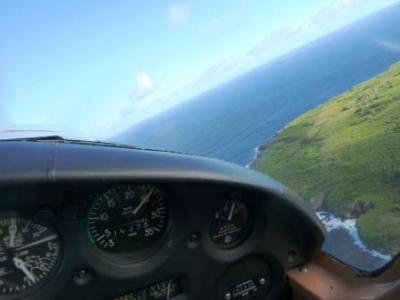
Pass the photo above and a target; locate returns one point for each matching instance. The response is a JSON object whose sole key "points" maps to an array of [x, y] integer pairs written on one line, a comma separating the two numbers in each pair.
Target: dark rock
{"points": [[396, 209], [359, 208], [345, 108], [318, 202], [262, 147]]}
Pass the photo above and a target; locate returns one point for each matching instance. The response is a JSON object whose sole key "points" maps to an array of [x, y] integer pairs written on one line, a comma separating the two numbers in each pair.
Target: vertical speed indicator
{"points": [[127, 218]]}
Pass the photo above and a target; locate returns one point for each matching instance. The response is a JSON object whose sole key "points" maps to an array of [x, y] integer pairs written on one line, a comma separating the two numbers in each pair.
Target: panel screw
{"points": [[82, 273], [194, 237], [82, 277], [303, 269], [262, 281], [193, 241], [228, 296]]}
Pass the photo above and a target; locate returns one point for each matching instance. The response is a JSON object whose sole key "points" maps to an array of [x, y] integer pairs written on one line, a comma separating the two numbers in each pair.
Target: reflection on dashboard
{"points": [[127, 218], [29, 254]]}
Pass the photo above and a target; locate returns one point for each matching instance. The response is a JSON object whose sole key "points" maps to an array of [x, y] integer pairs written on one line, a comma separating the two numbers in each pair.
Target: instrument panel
{"points": [[115, 229], [88, 222]]}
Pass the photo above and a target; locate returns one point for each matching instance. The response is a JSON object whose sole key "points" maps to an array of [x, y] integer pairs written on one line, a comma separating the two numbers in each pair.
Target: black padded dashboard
{"points": [[56, 184]]}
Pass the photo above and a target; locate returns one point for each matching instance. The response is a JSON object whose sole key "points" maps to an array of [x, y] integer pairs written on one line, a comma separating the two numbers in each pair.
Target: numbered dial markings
{"points": [[230, 224], [29, 254], [127, 218]]}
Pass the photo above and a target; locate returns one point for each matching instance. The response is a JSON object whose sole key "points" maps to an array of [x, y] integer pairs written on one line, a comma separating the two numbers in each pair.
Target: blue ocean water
{"points": [[230, 121]]}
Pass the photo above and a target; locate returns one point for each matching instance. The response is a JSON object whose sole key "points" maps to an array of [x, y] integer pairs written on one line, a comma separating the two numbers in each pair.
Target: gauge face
{"points": [[29, 254], [127, 218], [230, 224]]}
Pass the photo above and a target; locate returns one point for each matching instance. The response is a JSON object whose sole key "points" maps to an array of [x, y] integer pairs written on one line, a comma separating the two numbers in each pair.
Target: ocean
{"points": [[230, 121]]}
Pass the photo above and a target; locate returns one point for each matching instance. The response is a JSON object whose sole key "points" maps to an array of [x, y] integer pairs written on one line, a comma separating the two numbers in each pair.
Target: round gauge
{"points": [[127, 218], [29, 254], [230, 224]]}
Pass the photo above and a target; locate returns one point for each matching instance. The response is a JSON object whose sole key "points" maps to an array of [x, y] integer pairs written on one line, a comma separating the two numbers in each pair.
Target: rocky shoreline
{"points": [[262, 148], [320, 203]]}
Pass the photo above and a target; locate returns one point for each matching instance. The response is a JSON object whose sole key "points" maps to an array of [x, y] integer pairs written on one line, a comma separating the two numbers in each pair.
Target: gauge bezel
{"points": [[246, 231], [134, 256], [55, 272], [255, 233]]}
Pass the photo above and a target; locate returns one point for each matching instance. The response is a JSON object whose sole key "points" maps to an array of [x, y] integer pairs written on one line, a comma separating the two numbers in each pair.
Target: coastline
{"points": [[260, 149], [332, 221]]}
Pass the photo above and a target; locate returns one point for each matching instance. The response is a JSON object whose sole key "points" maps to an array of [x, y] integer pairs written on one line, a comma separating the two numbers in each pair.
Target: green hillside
{"points": [[345, 156]]}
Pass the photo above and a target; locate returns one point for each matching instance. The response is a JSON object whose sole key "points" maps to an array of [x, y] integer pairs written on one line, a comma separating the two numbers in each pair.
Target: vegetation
{"points": [[346, 153]]}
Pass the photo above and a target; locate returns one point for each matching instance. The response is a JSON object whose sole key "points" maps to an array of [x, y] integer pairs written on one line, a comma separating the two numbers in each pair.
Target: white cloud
{"points": [[343, 4], [303, 26], [212, 27], [389, 45], [325, 20], [143, 86], [223, 23], [178, 14]]}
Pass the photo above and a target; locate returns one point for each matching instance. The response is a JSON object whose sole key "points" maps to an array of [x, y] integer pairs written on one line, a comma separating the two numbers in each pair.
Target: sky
{"points": [[99, 67]]}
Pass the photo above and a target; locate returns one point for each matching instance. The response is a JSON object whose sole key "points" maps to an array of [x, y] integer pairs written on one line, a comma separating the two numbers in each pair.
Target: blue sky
{"points": [[101, 66]]}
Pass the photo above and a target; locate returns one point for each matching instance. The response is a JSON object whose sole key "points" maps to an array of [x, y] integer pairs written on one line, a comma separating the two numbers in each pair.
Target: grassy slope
{"points": [[349, 149]]}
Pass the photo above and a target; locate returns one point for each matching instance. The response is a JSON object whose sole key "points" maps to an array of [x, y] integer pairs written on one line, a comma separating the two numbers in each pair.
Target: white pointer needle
{"points": [[21, 265], [231, 211], [144, 200], [12, 230], [37, 242]]}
